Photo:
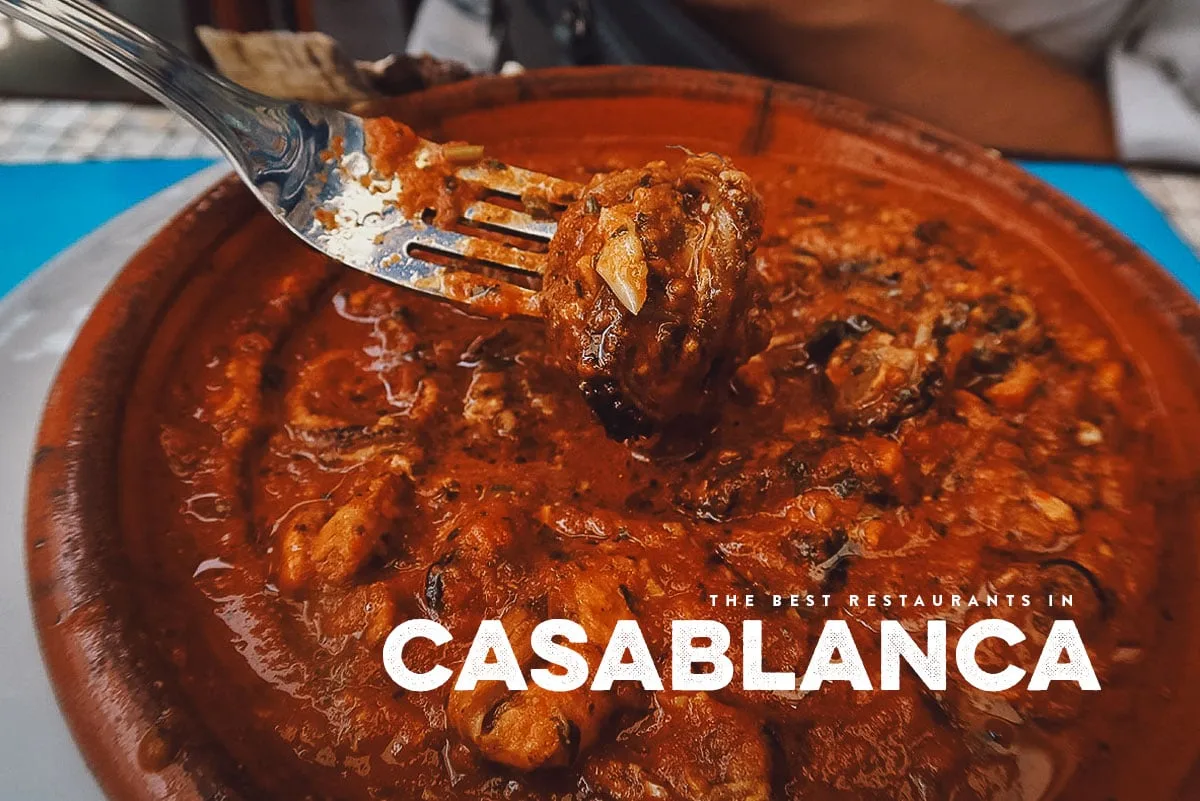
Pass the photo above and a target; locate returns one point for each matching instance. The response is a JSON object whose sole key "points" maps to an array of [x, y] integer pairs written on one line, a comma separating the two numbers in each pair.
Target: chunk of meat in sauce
{"points": [[349, 538], [877, 382], [294, 569], [700, 750], [536, 727], [490, 538], [651, 297]]}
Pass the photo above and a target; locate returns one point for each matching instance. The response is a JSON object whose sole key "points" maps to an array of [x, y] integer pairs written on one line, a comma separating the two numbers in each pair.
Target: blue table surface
{"points": [[49, 207], [33, 202]]}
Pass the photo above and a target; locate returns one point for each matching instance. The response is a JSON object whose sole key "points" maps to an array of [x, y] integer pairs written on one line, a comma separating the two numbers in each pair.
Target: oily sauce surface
{"points": [[329, 455]]}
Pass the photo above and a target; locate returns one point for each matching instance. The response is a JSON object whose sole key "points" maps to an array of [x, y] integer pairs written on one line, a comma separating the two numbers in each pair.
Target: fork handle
{"points": [[230, 115]]}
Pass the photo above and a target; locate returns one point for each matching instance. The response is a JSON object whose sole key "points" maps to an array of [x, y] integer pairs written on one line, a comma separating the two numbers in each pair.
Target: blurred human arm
{"points": [[924, 58]]}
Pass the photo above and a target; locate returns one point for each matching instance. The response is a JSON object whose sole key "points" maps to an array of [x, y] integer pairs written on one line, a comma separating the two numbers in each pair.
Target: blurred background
{"points": [[1101, 97]]}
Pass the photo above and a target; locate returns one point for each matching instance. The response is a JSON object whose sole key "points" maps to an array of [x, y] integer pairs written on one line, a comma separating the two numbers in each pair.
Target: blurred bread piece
{"points": [[297, 66], [312, 66]]}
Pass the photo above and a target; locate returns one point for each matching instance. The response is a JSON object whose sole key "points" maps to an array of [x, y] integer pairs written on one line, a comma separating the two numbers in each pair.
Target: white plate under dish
{"points": [[38, 322]]}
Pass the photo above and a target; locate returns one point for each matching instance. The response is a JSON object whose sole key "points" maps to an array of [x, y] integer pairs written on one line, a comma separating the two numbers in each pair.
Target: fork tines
{"points": [[491, 258], [542, 196]]}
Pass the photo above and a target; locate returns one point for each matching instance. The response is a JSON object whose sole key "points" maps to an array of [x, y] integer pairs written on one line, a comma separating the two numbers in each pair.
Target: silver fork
{"points": [[310, 167]]}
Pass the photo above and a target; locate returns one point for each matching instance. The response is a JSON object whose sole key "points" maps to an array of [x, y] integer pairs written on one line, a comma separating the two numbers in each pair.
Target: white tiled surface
{"points": [[42, 130], [1178, 196]]}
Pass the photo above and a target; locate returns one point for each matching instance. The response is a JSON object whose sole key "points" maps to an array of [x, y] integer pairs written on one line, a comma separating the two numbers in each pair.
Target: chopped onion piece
{"points": [[621, 261], [462, 154]]}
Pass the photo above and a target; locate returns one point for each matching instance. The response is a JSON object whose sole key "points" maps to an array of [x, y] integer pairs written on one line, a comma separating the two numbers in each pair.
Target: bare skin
{"points": [[927, 59]]}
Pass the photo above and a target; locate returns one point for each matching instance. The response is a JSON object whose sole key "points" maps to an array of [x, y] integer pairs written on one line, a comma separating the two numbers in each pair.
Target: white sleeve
{"points": [[1154, 80], [1076, 32]]}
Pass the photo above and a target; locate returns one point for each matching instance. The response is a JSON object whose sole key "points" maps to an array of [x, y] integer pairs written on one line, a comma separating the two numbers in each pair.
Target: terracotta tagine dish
{"points": [[948, 381]]}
